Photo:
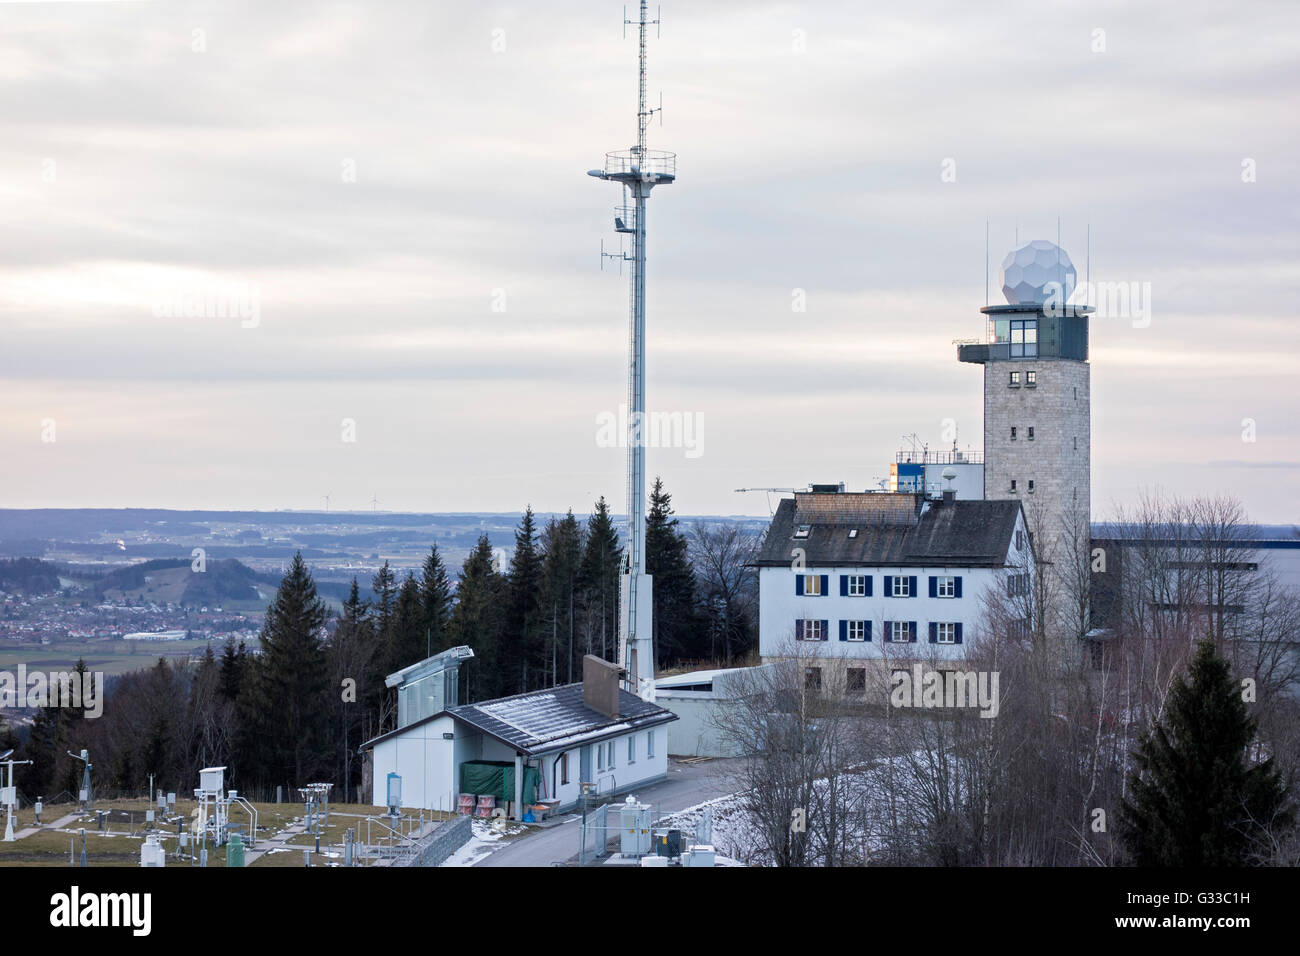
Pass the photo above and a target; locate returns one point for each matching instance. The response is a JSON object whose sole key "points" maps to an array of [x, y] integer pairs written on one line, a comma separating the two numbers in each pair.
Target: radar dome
{"points": [[1035, 271]]}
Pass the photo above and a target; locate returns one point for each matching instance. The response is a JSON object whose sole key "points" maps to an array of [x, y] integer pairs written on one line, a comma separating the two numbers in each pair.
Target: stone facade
{"points": [[1056, 411]]}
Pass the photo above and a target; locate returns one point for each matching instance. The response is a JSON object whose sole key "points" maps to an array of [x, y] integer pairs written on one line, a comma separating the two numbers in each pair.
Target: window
{"points": [[1031, 379], [1013, 432], [610, 745], [1076, 442], [856, 631], [600, 756], [1030, 436], [902, 586], [899, 632], [945, 586], [1017, 584], [812, 678], [1020, 541], [802, 530], [1013, 484], [1031, 486], [855, 679], [857, 586], [853, 532], [809, 630], [1015, 380], [564, 768], [649, 743], [1024, 338], [946, 633], [631, 749], [812, 585]]}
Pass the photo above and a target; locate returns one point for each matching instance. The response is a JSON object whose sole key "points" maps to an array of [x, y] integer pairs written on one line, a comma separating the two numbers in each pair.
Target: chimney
{"points": [[600, 685]]}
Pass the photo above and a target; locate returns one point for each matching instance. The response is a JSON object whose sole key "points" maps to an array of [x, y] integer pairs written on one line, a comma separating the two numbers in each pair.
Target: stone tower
{"points": [[1037, 399]]}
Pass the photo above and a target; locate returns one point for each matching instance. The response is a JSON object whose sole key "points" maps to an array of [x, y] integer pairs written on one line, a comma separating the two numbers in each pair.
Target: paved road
{"points": [[686, 786]]}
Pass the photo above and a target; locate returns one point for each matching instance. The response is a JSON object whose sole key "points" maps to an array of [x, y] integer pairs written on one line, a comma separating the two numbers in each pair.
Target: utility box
{"points": [[394, 793], [699, 855], [634, 827], [668, 843], [152, 852]]}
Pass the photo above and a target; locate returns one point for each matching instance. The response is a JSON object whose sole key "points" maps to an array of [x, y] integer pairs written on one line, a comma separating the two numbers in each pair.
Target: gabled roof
{"points": [[549, 720], [889, 532], [555, 719]]}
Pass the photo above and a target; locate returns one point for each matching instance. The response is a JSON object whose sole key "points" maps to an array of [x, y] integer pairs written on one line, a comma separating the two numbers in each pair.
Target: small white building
{"points": [[539, 747], [846, 573], [699, 699]]}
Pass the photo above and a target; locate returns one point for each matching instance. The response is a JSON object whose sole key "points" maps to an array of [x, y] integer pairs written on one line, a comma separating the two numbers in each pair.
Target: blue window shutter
{"points": [[889, 585], [798, 584], [911, 632], [826, 630], [956, 584], [934, 630], [887, 634], [844, 585], [867, 625], [957, 638], [826, 578], [844, 630], [911, 586], [798, 629], [934, 586], [868, 585]]}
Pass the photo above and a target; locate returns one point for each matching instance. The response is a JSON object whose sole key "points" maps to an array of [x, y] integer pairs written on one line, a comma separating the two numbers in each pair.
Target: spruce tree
{"points": [[523, 623], [561, 556], [284, 705], [1196, 799], [435, 595], [476, 623], [234, 664], [667, 558], [408, 641], [350, 650], [599, 581]]}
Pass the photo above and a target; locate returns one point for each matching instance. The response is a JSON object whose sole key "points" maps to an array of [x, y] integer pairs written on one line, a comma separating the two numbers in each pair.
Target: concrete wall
{"points": [[694, 733]]}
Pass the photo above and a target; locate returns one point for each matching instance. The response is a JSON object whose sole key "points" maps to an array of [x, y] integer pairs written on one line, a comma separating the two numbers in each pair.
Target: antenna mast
{"points": [[638, 170]]}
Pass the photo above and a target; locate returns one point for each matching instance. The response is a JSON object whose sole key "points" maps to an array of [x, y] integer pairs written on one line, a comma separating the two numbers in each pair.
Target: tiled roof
{"points": [[889, 532]]}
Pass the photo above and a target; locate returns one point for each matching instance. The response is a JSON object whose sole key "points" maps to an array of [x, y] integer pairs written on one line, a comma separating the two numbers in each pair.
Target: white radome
{"points": [[1037, 270]]}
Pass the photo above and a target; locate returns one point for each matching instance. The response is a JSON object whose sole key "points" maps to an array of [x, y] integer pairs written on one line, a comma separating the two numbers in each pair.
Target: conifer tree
{"points": [[435, 595], [234, 664], [676, 620], [525, 643], [476, 622], [561, 556], [351, 648], [284, 704], [1196, 799], [598, 583]]}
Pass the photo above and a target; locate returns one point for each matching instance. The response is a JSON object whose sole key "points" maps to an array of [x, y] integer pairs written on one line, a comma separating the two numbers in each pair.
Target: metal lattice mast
{"points": [[638, 170]]}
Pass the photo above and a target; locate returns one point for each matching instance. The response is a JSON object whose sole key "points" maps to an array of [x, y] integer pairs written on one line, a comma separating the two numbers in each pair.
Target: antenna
{"points": [[327, 502], [1088, 273], [374, 502], [638, 170]]}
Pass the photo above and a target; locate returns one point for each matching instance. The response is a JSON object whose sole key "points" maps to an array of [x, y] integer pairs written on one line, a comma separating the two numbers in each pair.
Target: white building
{"points": [[845, 573], [533, 748]]}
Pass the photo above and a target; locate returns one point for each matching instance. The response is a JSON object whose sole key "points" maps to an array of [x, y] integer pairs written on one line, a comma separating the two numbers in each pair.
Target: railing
{"points": [[906, 457], [656, 162]]}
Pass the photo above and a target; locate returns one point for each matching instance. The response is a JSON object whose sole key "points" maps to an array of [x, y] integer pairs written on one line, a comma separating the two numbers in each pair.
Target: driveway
{"points": [[686, 786]]}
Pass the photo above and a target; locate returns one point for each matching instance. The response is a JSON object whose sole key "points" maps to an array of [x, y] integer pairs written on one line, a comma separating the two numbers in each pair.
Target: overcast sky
{"points": [[402, 185]]}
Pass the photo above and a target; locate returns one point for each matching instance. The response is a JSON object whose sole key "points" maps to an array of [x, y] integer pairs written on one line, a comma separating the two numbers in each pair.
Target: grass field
{"points": [[110, 657], [117, 846]]}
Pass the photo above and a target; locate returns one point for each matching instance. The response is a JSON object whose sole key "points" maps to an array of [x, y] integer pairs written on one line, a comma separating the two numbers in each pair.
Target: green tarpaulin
{"points": [[497, 777]]}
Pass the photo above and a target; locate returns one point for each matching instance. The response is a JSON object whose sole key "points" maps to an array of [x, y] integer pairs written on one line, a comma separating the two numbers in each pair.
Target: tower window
{"points": [[1076, 442], [1076, 393], [1031, 486], [1031, 379], [1013, 432], [1024, 338], [1015, 380], [1013, 484], [1031, 433]]}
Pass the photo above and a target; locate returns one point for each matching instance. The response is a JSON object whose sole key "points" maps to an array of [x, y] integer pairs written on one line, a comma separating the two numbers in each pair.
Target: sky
{"points": [[258, 253]]}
